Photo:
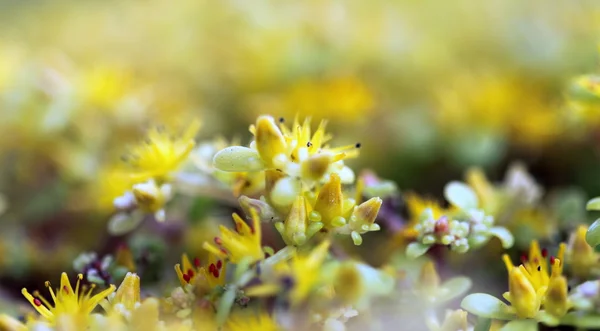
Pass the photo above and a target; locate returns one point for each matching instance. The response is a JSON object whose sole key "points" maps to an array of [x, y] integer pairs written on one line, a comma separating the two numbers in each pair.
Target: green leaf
{"points": [[547, 318], [461, 195], [416, 249], [454, 288], [122, 223], [225, 304], [521, 325], [504, 235], [593, 204], [485, 305], [593, 234], [581, 321], [483, 324]]}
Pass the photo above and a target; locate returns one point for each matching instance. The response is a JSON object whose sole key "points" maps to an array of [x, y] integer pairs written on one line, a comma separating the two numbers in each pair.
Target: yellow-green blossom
{"points": [[204, 278], [533, 283], [160, 154], [297, 152], [244, 244], [66, 300], [298, 278], [260, 321]]}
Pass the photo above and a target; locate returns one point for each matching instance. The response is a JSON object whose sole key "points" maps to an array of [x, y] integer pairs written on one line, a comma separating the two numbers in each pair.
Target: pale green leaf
{"points": [[122, 223], [593, 234], [593, 204], [483, 324], [485, 305], [547, 318], [588, 321], [238, 159], [454, 288], [461, 195], [521, 325], [416, 249], [504, 235]]}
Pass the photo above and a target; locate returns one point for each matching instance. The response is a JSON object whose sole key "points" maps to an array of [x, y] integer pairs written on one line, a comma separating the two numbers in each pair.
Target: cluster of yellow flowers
{"points": [[301, 187]]}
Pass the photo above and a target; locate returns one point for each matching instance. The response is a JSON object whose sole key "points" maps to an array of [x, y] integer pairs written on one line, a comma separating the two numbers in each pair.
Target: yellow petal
{"points": [[556, 296], [128, 292], [315, 167], [269, 139], [329, 200], [522, 294]]}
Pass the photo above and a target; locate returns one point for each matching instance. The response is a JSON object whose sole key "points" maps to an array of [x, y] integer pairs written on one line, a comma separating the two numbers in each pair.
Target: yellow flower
{"points": [[300, 276], [160, 154], [105, 87], [8, 323], [328, 209], [111, 184], [345, 98], [245, 244], [260, 321], [297, 152], [491, 102], [529, 282], [66, 300], [340, 214], [355, 283], [199, 276], [416, 205], [485, 191]]}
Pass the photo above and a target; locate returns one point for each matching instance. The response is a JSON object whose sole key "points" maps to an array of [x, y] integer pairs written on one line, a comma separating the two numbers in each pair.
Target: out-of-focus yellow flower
{"points": [[161, 153], [342, 98], [455, 320], [583, 261], [244, 244], [146, 316], [110, 184], [492, 102], [260, 321], [104, 87], [8, 323], [416, 205], [487, 194], [584, 101], [529, 283], [199, 276], [301, 276], [66, 300], [355, 283]]}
